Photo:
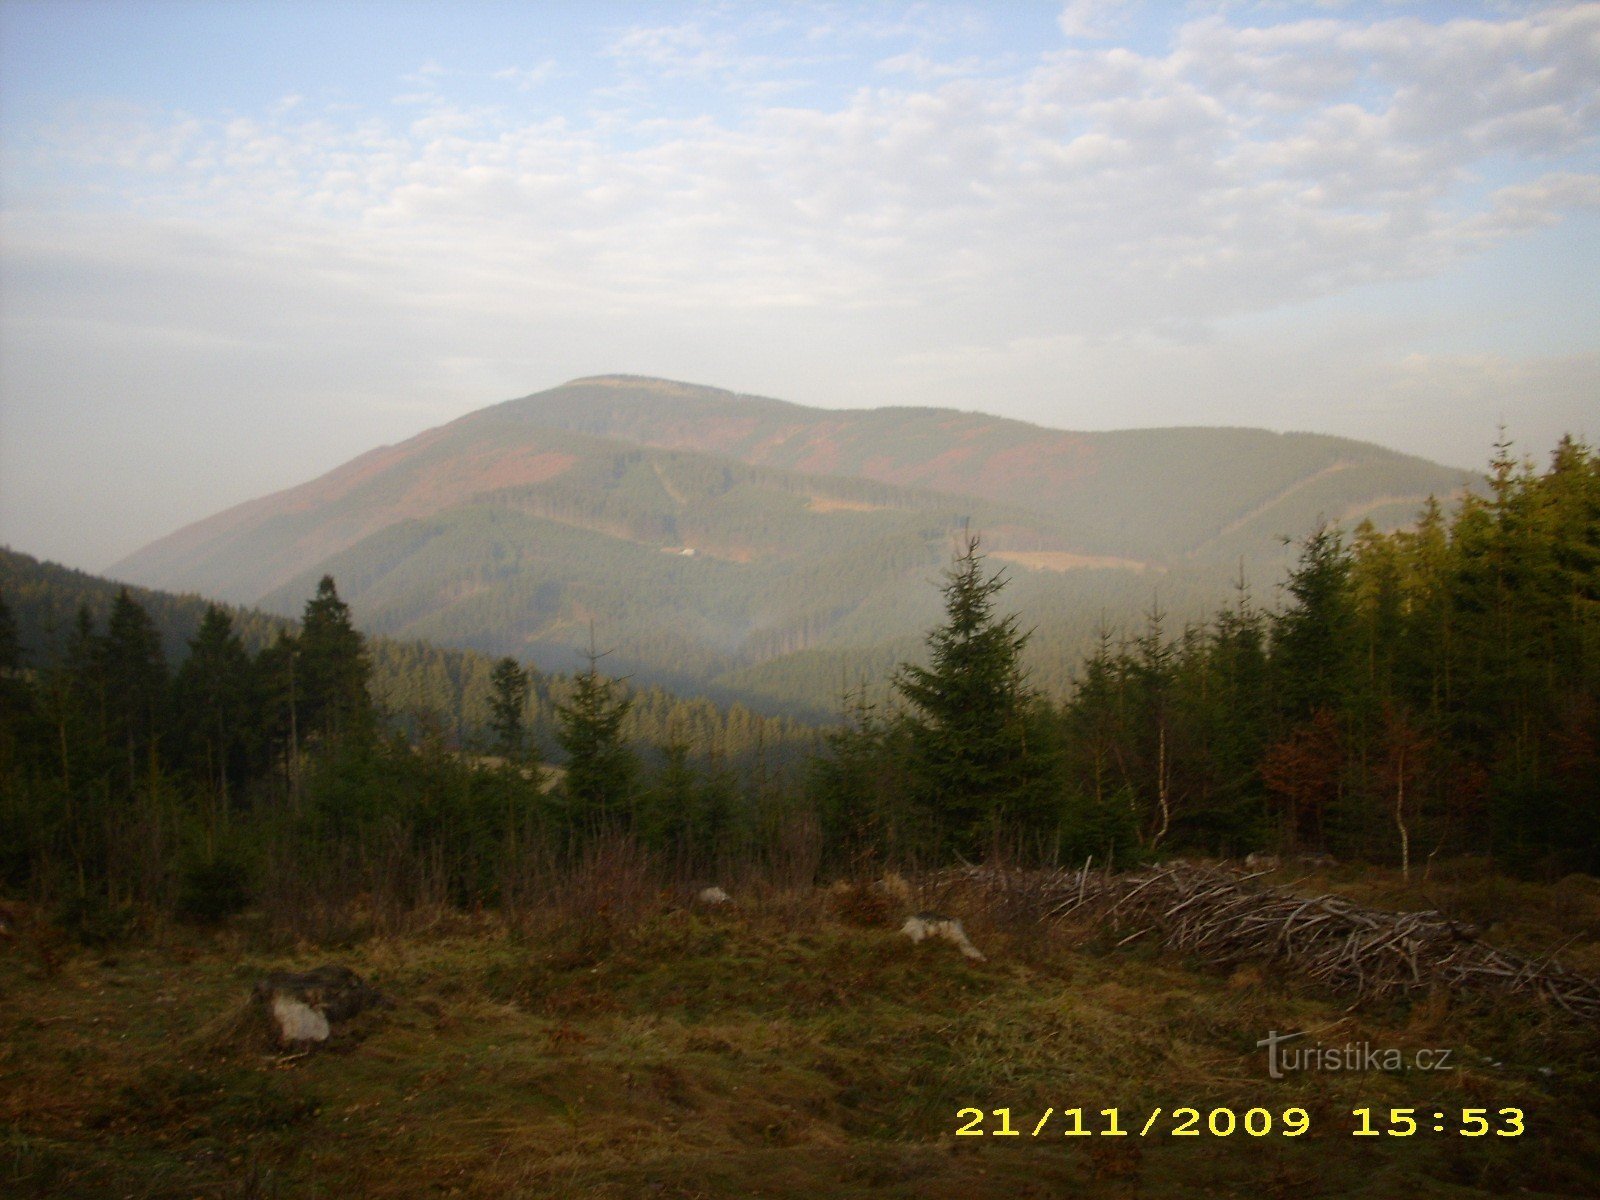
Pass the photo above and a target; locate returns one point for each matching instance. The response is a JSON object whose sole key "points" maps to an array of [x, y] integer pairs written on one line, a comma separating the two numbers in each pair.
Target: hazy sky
{"points": [[242, 242]]}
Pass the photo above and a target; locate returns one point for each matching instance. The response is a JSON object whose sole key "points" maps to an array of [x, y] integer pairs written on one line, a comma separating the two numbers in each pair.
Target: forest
{"points": [[1431, 690], [300, 765], [1434, 690]]}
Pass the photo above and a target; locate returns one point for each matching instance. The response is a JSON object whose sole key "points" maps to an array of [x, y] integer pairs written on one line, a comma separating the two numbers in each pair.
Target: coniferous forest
{"points": [[1434, 690], [1429, 691]]}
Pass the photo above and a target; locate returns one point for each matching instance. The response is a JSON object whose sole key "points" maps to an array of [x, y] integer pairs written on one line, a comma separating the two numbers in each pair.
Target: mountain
{"points": [[1139, 494], [753, 549]]}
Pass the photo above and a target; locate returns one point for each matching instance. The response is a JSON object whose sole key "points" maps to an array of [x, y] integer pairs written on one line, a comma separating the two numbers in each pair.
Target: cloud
{"points": [[528, 78], [925, 69], [1242, 169], [1092, 19], [1088, 203]]}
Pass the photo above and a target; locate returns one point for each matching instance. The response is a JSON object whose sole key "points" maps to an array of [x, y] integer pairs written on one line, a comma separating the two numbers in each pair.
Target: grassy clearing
{"points": [[796, 1046]]}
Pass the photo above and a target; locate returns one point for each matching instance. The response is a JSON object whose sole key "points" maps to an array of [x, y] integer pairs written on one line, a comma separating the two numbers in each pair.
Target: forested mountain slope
{"points": [[1140, 493], [421, 687], [756, 550]]}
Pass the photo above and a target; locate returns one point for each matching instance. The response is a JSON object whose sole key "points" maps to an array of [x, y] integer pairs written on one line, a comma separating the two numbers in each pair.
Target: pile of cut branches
{"points": [[1224, 917]]}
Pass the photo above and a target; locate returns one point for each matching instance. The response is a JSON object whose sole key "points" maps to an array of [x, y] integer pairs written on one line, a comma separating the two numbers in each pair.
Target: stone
{"points": [[298, 1021], [303, 1007]]}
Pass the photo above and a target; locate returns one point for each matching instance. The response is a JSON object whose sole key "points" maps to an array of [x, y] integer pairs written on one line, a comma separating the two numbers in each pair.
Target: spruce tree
{"points": [[10, 645], [670, 820], [217, 711], [507, 708], [134, 671], [16, 697], [856, 786], [974, 769], [332, 668], [1314, 638], [600, 768]]}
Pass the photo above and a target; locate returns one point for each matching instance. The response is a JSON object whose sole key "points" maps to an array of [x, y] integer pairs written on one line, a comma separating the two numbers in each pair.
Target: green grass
{"points": [[778, 1050]]}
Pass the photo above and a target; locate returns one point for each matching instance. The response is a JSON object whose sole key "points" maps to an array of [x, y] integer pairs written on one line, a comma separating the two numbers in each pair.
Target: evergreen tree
{"points": [[332, 669], [857, 787], [276, 673], [669, 818], [600, 767], [133, 674], [1235, 724], [72, 696], [507, 709], [16, 697], [217, 710], [10, 646], [974, 770], [1313, 637]]}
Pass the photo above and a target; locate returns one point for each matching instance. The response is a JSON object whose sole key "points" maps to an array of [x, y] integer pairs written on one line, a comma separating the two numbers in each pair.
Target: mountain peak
{"points": [[646, 383]]}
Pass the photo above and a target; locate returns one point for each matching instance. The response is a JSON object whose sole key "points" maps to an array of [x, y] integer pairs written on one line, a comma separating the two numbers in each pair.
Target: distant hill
{"points": [[748, 548], [419, 686]]}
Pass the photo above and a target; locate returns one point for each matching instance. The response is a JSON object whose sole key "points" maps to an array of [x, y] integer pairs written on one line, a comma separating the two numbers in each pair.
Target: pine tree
{"points": [[974, 769]]}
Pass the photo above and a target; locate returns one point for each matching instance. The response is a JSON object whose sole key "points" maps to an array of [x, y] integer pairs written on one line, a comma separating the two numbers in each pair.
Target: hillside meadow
{"points": [[616, 1040]]}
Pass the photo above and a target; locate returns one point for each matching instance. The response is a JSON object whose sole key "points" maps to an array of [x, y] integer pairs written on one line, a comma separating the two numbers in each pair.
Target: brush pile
{"points": [[1224, 917]]}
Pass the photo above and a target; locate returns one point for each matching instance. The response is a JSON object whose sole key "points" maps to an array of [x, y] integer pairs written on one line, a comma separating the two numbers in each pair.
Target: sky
{"points": [[241, 243]]}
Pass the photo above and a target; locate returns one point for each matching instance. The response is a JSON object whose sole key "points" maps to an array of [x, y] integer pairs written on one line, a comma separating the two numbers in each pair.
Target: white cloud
{"points": [[1241, 170], [1097, 209], [528, 78], [1091, 19]]}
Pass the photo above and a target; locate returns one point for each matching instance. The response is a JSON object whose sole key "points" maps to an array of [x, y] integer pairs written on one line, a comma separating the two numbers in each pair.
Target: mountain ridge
{"points": [[1053, 471], [682, 521]]}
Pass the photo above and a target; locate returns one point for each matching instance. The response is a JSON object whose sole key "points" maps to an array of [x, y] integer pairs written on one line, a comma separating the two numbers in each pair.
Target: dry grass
{"points": [[625, 1043]]}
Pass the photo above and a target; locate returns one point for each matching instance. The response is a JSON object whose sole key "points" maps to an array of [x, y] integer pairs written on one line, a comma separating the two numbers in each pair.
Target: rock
{"points": [[303, 1007], [936, 925], [298, 1021]]}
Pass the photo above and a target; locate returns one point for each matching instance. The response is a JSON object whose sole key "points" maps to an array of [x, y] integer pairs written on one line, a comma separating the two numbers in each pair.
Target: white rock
{"points": [[298, 1021]]}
